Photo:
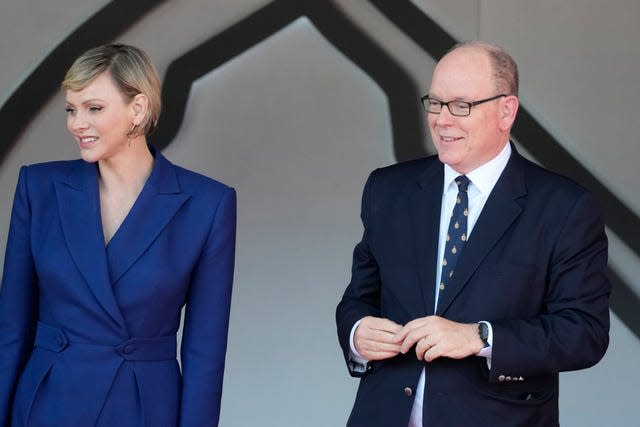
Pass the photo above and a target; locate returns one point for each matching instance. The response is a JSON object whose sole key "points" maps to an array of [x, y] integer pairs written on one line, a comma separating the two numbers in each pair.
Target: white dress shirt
{"points": [[483, 179]]}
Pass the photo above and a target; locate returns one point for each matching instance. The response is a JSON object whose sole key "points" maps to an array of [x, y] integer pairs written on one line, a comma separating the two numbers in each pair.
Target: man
{"points": [[480, 276]]}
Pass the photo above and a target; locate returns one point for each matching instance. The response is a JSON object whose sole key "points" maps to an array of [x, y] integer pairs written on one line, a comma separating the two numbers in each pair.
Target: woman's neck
{"points": [[129, 170]]}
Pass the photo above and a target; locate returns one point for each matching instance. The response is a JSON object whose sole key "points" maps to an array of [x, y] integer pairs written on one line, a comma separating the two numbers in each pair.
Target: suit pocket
{"points": [[517, 394], [526, 393]]}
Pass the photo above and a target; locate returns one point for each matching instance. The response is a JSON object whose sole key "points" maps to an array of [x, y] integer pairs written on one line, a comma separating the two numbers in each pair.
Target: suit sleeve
{"points": [[18, 299], [206, 324], [572, 332], [362, 296]]}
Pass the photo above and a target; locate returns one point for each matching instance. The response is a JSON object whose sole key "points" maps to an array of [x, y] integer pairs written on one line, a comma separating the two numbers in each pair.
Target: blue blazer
{"points": [[88, 332], [533, 266]]}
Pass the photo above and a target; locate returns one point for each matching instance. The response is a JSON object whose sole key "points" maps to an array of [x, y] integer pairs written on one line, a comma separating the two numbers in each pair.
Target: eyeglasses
{"points": [[456, 108]]}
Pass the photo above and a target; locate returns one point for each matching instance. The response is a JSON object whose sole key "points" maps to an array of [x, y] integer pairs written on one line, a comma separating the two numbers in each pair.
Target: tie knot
{"points": [[463, 183]]}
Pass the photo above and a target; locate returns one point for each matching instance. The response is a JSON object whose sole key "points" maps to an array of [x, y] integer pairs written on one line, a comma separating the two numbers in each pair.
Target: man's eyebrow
{"points": [[457, 98]]}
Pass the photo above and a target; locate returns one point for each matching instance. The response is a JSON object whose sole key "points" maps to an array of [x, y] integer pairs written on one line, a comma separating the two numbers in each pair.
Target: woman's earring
{"points": [[133, 126]]}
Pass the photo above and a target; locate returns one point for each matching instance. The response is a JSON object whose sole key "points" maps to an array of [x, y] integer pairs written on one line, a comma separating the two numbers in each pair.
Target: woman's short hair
{"points": [[131, 70]]}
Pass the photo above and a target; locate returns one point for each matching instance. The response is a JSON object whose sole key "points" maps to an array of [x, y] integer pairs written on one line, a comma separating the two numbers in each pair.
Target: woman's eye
{"points": [[95, 108], [69, 110]]}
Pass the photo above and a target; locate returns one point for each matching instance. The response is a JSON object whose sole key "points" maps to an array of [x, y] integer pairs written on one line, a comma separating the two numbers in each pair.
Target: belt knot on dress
{"points": [[141, 349]]}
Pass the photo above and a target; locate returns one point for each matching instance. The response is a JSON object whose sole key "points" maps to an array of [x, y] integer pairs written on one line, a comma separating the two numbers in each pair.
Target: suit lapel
{"points": [[158, 202], [499, 212], [79, 210], [424, 206]]}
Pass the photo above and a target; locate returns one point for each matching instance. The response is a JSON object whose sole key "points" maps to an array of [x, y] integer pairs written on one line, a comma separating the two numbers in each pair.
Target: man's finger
{"points": [[381, 324], [412, 338], [421, 322]]}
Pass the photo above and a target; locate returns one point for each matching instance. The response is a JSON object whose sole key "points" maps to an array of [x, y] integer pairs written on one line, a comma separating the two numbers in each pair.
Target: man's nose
{"points": [[445, 117]]}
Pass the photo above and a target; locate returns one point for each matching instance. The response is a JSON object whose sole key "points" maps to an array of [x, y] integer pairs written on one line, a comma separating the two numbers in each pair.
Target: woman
{"points": [[102, 255]]}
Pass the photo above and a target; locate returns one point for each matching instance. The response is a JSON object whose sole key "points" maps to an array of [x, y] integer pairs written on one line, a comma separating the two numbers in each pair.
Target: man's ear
{"points": [[508, 110]]}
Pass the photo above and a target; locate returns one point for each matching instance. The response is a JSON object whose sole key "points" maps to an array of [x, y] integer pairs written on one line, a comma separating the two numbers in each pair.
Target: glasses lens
{"points": [[459, 108], [432, 105]]}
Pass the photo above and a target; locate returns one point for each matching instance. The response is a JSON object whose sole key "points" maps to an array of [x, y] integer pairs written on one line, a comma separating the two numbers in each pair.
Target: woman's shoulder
{"points": [[55, 165], [52, 169], [197, 183]]}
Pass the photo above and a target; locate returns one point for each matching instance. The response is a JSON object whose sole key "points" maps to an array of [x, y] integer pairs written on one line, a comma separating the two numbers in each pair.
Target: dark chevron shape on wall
{"points": [[404, 108]]}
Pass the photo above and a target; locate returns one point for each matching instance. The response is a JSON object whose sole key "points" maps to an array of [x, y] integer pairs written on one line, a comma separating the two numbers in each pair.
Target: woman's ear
{"points": [[139, 107]]}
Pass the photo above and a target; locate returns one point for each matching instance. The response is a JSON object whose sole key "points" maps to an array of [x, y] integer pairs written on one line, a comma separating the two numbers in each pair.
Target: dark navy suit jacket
{"points": [[88, 332], [533, 266]]}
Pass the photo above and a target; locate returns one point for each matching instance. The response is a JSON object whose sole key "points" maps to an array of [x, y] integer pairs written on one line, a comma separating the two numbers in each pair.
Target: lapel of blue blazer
{"points": [[79, 210], [158, 202], [424, 207], [499, 212]]}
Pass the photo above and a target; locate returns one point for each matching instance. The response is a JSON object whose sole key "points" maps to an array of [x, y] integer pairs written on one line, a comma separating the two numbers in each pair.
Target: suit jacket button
{"points": [[501, 378], [129, 349], [408, 391]]}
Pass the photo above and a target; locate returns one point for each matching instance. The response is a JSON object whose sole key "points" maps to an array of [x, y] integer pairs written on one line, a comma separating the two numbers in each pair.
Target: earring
{"points": [[133, 126]]}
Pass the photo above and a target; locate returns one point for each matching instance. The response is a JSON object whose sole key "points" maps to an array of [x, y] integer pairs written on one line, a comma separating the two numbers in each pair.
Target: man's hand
{"points": [[436, 336], [374, 338]]}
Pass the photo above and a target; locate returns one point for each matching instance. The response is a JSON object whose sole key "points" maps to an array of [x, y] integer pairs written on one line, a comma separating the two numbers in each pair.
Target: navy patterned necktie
{"points": [[457, 233]]}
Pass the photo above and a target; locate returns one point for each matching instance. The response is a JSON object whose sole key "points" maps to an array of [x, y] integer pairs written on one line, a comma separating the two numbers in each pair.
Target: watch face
{"points": [[483, 331]]}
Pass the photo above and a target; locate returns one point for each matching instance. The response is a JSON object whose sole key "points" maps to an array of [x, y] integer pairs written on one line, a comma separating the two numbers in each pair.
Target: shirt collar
{"points": [[484, 178]]}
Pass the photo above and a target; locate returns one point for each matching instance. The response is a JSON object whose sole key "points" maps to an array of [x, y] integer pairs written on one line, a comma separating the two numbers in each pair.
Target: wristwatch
{"points": [[483, 332]]}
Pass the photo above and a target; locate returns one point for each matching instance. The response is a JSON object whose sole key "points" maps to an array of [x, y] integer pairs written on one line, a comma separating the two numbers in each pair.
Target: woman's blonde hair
{"points": [[131, 70]]}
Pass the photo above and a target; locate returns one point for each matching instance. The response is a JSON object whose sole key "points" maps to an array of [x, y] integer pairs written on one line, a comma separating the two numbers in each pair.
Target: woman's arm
{"points": [[18, 299], [204, 340]]}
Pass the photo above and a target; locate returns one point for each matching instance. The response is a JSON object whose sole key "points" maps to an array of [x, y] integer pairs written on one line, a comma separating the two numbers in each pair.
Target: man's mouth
{"points": [[450, 138]]}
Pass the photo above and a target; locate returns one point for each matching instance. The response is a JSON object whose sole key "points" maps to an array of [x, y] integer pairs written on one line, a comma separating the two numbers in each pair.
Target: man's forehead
{"points": [[468, 59], [462, 71]]}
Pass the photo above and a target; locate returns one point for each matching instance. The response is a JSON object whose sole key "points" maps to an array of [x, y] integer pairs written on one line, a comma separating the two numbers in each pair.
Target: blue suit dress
{"points": [[88, 331]]}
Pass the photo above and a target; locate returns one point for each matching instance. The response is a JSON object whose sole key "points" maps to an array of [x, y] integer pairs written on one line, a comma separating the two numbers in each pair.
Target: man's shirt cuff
{"points": [[356, 362]]}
